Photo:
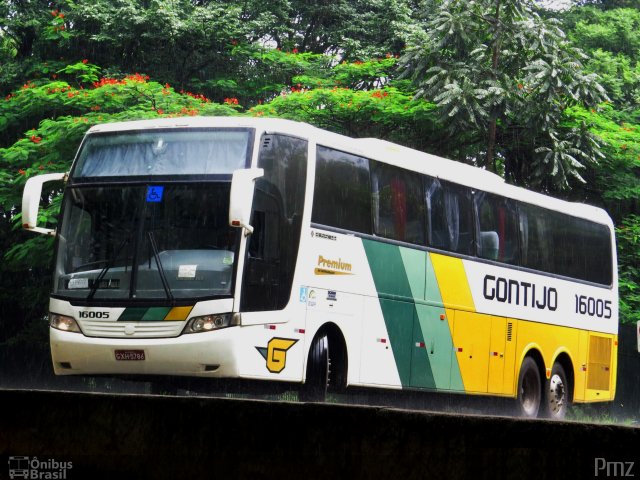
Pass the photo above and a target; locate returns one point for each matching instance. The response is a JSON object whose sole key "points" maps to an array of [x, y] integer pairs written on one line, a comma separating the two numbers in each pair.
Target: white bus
{"points": [[265, 249]]}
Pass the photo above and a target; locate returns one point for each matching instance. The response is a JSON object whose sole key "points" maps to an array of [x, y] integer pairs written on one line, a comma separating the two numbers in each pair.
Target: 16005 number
{"points": [[85, 314], [594, 307]]}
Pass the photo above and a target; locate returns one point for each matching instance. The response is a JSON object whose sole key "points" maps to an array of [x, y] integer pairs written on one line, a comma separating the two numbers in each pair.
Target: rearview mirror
{"points": [[242, 185], [31, 201]]}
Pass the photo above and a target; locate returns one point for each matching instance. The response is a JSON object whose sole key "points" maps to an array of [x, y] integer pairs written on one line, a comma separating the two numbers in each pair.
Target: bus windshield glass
{"points": [[163, 152], [142, 242]]}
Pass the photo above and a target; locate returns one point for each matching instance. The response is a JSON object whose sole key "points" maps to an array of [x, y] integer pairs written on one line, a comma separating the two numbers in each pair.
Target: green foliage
{"points": [[612, 38], [383, 113], [613, 182], [616, 30], [502, 77], [628, 236]]}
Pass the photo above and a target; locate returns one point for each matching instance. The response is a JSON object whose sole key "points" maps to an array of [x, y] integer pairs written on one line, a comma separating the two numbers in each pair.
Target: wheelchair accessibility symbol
{"points": [[154, 194]]}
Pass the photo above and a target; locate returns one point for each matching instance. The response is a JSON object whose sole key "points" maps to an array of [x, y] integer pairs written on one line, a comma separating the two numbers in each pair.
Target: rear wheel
{"points": [[557, 394], [529, 389], [318, 371]]}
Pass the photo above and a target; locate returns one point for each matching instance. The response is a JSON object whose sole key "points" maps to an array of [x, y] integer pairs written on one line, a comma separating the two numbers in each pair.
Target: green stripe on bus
{"points": [[132, 314], [144, 314], [156, 314], [391, 279]]}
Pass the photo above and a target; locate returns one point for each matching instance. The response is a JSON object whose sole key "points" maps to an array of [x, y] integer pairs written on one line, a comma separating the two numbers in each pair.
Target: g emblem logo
{"points": [[276, 353]]}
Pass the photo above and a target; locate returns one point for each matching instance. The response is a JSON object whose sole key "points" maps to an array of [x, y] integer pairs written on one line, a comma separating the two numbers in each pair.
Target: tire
{"points": [[529, 389], [318, 369], [557, 394]]}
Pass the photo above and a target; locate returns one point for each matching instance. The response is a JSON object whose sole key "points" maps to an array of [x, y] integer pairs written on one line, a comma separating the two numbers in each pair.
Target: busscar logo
{"points": [[275, 353]]}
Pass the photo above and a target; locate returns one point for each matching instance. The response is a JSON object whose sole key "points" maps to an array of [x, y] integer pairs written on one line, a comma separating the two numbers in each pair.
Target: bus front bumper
{"points": [[208, 354]]}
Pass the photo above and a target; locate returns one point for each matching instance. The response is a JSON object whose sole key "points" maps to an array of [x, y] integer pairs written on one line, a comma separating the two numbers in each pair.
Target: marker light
{"points": [[64, 323], [207, 323]]}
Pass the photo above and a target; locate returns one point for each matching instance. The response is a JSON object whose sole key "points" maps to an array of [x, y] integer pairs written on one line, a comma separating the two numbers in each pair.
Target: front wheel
{"points": [[556, 401], [529, 389], [318, 368]]}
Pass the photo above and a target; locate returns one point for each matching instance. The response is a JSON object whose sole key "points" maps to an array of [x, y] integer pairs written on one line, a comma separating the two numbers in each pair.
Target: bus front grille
{"points": [[110, 329]]}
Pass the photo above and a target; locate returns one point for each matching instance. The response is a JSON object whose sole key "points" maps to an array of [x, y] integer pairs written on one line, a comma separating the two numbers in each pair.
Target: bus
{"points": [[272, 250]]}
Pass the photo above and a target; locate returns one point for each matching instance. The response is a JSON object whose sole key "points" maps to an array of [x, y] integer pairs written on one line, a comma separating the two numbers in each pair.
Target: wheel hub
{"points": [[556, 394]]}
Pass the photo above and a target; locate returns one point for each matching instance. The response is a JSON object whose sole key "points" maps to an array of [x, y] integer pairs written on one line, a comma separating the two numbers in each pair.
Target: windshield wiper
{"points": [[105, 269], [163, 277]]}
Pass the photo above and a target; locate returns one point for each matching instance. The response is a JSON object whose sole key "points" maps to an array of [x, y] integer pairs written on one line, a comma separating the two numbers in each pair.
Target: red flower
{"points": [[22, 172], [54, 13], [35, 139], [295, 50], [85, 61], [61, 15]]}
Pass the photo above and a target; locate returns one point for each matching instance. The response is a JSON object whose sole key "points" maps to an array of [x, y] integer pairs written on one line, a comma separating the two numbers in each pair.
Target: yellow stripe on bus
{"points": [[178, 313], [453, 283]]}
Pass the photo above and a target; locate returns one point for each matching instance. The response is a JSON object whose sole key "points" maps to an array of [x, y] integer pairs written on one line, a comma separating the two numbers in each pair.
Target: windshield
{"points": [[149, 241], [163, 152]]}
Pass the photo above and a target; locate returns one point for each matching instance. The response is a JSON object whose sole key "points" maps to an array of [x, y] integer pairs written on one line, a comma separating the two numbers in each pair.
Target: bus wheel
{"points": [[557, 394], [318, 369], [529, 389]]}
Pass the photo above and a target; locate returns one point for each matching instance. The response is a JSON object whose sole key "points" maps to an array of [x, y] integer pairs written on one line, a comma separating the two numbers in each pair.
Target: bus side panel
{"points": [[420, 330], [339, 287]]}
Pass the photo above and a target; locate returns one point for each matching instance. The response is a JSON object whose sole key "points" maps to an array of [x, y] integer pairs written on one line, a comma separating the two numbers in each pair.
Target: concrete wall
{"points": [[107, 436]]}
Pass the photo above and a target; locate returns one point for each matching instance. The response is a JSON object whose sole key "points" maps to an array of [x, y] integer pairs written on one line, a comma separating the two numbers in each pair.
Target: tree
{"points": [[612, 40], [502, 77]]}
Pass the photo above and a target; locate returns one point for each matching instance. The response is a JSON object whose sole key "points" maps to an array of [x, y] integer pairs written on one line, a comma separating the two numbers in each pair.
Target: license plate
{"points": [[126, 355]]}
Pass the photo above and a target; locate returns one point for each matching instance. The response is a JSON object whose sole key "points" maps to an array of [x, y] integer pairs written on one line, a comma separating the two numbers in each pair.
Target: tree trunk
{"points": [[491, 140]]}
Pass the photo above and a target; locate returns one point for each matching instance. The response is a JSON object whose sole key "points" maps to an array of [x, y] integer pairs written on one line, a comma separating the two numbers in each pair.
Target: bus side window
{"points": [[450, 216], [398, 209], [342, 179], [498, 229]]}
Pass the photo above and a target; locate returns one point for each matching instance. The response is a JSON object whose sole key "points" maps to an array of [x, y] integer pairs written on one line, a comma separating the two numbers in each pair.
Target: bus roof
{"points": [[375, 149]]}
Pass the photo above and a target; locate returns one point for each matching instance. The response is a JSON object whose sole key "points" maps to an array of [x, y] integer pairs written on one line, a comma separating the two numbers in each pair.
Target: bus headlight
{"points": [[64, 323], [207, 323]]}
